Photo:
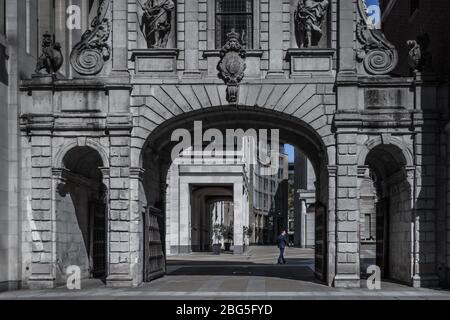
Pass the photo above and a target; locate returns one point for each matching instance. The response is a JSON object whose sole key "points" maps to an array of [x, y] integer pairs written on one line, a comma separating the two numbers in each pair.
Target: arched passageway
{"points": [[386, 210], [210, 207], [159, 182], [81, 218]]}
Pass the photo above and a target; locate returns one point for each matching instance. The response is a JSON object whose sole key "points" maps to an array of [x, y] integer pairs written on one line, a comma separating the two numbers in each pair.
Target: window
{"points": [[3, 17], [415, 5], [237, 15]]}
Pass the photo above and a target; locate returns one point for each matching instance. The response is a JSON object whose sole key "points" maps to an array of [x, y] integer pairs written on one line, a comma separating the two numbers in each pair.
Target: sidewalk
{"points": [[254, 276]]}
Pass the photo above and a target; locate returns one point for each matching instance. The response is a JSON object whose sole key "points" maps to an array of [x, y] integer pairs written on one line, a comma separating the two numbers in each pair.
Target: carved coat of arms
{"points": [[232, 65]]}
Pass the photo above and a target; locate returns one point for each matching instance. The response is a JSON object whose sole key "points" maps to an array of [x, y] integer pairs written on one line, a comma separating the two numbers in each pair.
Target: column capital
{"points": [[332, 171], [363, 171], [137, 173], [105, 172]]}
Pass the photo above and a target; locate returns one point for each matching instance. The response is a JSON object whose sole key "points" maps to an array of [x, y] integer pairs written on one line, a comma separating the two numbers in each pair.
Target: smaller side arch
{"points": [[69, 145], [379, 141]]}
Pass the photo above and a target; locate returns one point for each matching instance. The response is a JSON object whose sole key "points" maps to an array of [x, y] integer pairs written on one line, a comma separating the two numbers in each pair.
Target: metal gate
{"points": [[155, 259]]}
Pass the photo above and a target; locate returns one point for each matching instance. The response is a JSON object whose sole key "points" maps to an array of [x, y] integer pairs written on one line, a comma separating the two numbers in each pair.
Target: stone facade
{"points": [[404, 21], [338, 102]]}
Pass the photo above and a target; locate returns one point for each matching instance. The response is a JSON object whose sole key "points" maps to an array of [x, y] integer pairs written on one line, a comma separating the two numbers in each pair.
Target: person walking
{"points": [[282, 243]]}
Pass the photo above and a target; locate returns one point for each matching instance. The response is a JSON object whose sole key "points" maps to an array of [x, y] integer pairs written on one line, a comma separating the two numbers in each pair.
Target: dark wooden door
{"points": [[382, 234], [155, 258], [321, 242]]}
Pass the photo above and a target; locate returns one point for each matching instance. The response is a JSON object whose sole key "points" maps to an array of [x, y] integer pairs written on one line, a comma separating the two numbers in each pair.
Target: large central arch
{"points": [[155, 159]]}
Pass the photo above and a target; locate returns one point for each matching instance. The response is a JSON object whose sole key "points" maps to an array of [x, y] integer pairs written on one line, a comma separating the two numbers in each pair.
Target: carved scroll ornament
{"points": [[375, 52], [89, 56], [232, 65]]}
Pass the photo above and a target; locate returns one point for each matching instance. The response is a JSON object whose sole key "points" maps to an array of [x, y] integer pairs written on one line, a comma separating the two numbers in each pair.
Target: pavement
{"points": [[254, 276]]}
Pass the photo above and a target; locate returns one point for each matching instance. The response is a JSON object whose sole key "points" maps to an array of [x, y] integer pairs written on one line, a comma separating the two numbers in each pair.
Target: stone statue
{"points": [[309, 17], [419, 58], [156, 23], [89, 55], [51, 58]]}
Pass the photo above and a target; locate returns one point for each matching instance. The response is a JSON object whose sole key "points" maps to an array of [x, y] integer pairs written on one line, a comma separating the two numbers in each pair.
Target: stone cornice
{"points": [[50, 83], [216, 53], [154, 53], [377, 120], [309, 52], [54, 122]]}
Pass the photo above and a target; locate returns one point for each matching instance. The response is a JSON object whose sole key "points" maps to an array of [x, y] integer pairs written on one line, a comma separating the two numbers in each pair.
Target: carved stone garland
{"points": [[232, 65], [89, 56], [378, 55]]}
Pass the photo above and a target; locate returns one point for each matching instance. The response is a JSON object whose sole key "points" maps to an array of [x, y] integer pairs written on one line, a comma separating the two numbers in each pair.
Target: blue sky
{"points": [[290, 152], [371, 2]]}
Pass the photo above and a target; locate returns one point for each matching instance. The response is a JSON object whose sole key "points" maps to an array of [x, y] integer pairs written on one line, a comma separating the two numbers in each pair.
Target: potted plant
{"points": [[228, 236], [218, 235]]}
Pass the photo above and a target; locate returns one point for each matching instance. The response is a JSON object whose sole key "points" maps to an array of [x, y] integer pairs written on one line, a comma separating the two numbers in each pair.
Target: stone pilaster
{"points": [[137, 209], [332, 225], [275, 39], [184, 238], [425, 208], [347, 92], [120, 36], [42, 220], [347, 214], [120, 226], [191, 43], [238, 218]]}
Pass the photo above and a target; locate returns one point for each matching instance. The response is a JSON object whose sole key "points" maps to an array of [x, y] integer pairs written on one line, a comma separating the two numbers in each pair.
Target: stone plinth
{"points": [[155, 62], [310, 62]]}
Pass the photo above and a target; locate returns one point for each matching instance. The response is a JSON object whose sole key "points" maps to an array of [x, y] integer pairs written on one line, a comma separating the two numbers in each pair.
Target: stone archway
{"points": [[81, 217], [386, 183], [156, 161]]}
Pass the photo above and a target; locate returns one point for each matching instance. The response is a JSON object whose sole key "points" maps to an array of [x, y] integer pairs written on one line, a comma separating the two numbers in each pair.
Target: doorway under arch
{"points": [[81, 215], [387, 228]]}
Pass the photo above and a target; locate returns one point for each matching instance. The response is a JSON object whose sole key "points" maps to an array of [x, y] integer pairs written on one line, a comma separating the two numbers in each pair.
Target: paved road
{"points": [[252, 276]]}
